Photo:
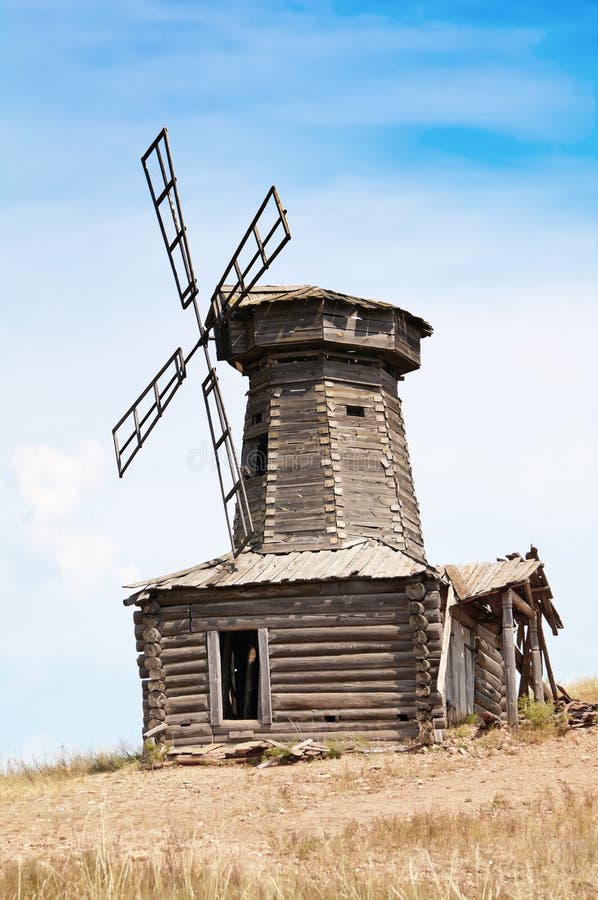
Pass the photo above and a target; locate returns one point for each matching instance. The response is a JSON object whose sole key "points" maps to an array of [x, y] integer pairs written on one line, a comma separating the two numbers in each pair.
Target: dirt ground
{"points": [[248, 807]]}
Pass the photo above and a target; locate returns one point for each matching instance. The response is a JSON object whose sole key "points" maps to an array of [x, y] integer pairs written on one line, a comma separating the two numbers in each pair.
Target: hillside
{"points": [[489, 817]]}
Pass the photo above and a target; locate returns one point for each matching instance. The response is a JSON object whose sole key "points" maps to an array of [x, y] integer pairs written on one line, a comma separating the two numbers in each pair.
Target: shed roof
{"points": [[480, 578], [367, 558], [275, 293]]}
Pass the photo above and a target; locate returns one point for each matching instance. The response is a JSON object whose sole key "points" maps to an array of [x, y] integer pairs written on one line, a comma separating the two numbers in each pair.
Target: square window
{"points": [[358, 411]]}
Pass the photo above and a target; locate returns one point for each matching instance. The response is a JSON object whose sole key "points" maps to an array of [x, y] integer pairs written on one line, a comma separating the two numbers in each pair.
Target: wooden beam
{"points": [[508, 647], [265, 696], [215, 677], [537, 684], [549, 672], [521, 605]]}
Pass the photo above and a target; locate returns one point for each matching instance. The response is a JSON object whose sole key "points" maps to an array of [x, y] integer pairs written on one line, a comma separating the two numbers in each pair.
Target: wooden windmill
{"points": [[325, 617]]}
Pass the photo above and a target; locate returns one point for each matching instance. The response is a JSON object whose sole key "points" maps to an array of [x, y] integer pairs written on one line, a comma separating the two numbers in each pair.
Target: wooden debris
{"points": [[580, 714]]}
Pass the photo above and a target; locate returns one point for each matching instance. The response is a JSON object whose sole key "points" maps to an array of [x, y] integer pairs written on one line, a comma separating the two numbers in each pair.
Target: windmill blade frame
{"points": [[163, 189], [144, 420], [252, 257], [258, 249]]}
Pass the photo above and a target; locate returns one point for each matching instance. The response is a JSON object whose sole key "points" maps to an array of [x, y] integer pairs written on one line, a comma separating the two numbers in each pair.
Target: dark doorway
{"points": [[240, 668]]}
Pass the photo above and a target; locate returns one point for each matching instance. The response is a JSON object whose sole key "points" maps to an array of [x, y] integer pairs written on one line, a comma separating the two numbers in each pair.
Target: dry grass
{"points": [[584, 689], [546, 851], [18, 776]]}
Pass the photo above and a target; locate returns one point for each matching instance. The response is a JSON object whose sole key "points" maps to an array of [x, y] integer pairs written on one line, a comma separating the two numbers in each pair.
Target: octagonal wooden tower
{"points": [[329, 620]]}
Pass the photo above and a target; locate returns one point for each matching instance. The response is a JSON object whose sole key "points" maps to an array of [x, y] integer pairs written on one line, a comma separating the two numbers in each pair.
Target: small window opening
{"points": [[356, 411], [332, 718], [255, 456], [256, 418], [240, 669], [403, 717]]}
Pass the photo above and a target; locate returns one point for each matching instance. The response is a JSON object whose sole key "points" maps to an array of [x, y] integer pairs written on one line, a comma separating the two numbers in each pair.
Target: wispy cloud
{"points": [[53, 484]]}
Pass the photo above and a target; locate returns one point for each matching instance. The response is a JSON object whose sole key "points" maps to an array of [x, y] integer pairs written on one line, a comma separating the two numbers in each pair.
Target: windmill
{"points": [[265, 237]]}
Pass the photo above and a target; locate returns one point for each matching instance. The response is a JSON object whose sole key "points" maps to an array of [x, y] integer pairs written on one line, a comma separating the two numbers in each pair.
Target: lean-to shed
{"points": [[493, 637]]}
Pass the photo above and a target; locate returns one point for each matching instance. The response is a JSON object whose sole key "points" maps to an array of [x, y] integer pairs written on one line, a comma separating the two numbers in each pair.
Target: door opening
{"points": [[240, 668]]}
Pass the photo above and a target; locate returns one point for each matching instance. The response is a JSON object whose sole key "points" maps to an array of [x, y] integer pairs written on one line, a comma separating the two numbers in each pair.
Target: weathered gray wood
{"points": [[215, 677], [331, 648], [323, 676], [343, 662], [265, 697], [520, 604], [486, 663], [349, 715], [186, 703], [311, 684], [537, 683], [341, 700], [508, 645], [188, 667], [308, 621], [182, 654]]}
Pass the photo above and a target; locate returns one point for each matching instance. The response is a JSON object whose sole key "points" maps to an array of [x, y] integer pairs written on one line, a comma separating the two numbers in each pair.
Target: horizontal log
{"points": [[317, 597], [357, 633], [323, 676], [193, 718], [169, 627], [184, 640], [198, 685], [307, 621], [354, 714], [188, 667], [341, 700], [332, 648], [317, 685], [183, 654], [187, 735], [187, 703], [343, 662]]}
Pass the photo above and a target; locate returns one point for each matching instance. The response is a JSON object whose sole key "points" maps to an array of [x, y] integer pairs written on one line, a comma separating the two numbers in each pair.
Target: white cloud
{"points": [[52, 485], [51, 481]]}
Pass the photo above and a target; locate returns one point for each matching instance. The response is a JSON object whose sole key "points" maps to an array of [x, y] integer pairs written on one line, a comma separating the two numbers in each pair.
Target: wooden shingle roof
{"points": [[275, 293], [366, 558]]}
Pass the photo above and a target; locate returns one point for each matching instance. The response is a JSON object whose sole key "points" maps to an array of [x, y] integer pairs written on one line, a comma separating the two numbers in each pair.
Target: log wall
{"points": [[475, 673], [359, 658]]}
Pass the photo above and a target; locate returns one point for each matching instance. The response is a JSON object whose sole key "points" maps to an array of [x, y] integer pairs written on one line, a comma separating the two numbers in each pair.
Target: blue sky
{"points": [[437, 155]]}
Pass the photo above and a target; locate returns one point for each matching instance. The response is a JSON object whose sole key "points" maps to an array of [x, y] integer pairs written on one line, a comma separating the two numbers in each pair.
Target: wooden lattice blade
{"points": [[132, 430], [266, 236], [161, 180]]}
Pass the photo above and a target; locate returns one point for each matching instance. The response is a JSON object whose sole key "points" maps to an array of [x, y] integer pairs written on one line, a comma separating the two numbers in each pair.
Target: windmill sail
{"points": [[159, 171], [132, 429], [267, 234], [264, 239]]}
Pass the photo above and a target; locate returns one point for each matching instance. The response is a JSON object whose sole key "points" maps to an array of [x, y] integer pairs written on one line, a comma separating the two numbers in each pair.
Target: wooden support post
{"points": [[508, 649], [215, 677], [549, 672], [536, 660]]}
